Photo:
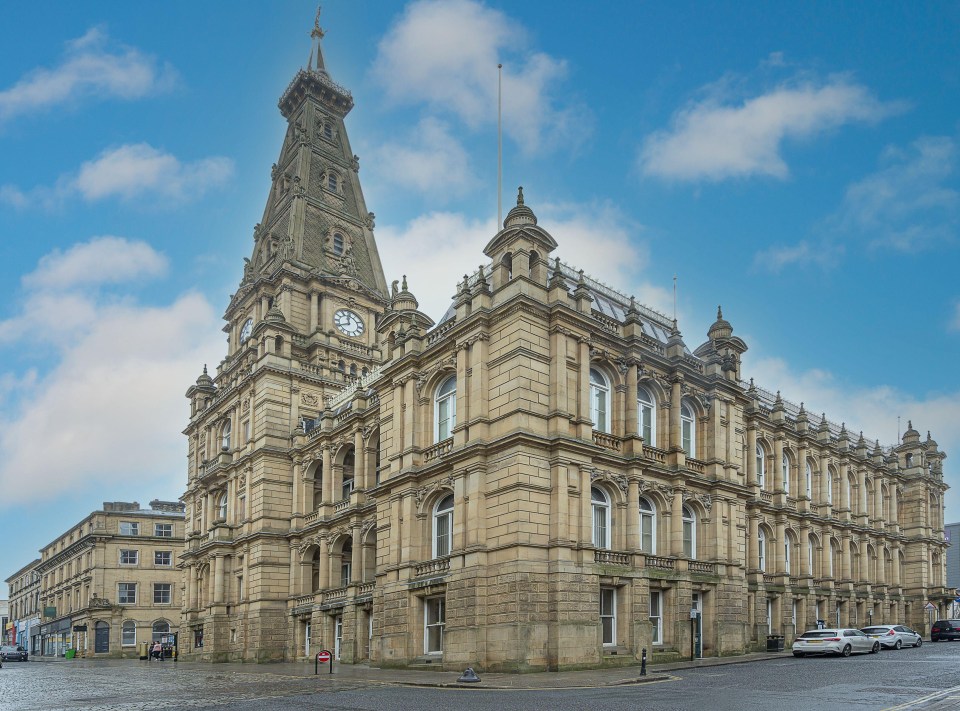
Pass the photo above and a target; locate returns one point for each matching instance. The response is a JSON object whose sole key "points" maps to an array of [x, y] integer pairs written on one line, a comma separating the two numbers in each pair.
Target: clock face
{"points": [[348, 322], [245, 331]]}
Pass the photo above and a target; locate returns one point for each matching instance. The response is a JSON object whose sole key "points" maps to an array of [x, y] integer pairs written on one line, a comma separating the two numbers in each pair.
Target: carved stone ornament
{"points": [[309, 399], [100, 602], [617, 480], [424, 492], [246, 406]]}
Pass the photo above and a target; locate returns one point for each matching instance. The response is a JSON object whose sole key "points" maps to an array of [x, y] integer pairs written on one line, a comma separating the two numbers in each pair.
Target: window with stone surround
{"points": [[600, 507], [163, 559], [129, 557], [445, 409], [656, 617], [129, 634], [648, 526], [163, 530], [647, 416], [608, 616], [689, 533], [443, 527], [434, 620], [126, 593], [762, 550], [761, 466], [599, 401], [129, 528], [688, 430]]}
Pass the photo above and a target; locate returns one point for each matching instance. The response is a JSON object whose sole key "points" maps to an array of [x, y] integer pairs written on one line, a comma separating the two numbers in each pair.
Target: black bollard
{"points": [[469, 676], [643, 662]]}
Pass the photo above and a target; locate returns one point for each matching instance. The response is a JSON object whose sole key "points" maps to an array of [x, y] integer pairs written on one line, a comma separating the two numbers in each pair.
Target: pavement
{"points": [[362, 673]]}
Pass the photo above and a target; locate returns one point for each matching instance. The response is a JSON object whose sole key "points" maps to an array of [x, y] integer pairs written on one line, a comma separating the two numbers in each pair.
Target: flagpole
{"points": [[499, 146]]}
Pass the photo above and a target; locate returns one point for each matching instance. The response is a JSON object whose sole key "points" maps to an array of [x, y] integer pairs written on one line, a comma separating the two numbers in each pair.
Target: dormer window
{"points": [[327, 130], [338, 242], [333, 182]]}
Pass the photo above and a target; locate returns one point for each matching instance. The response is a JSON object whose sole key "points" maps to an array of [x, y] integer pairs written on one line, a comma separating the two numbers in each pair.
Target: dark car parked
{"points": [[945, 630], [9, 653]]}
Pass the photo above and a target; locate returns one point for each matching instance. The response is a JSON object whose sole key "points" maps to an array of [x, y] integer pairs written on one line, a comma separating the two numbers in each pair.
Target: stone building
{"points": [[110, 582], [546, 478], [24, 593]]}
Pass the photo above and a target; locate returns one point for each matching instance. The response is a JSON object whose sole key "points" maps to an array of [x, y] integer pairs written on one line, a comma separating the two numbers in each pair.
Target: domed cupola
{"points": [[521, 214], [721, 328]]}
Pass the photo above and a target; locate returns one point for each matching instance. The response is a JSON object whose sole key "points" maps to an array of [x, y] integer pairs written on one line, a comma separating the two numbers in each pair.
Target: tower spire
{"points": [[316, 63]]}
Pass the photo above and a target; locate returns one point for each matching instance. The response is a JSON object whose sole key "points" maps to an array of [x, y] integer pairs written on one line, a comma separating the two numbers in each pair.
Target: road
{"points": [[925, 679]]}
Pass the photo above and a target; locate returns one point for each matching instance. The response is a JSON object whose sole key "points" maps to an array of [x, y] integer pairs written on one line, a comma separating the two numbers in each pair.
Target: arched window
{"points": [[443, 527], [849, 495], [225, 436], [346, 563], [338, 241], [646, 416], [160, 628], [445, 409], [534, 262], [835, 570], [788, 554], [129, 634], [342, 367], [353, 370], [332, 182], [785, 473], [761, 467], [601, 517], [689, 533], [222, 507], [349, 480], [829, 476], [812, 556], [599, 401], [762, 550], [508, 266], [809, 488], [854, 561], [688, 430], [648, 526], [327, 130]]}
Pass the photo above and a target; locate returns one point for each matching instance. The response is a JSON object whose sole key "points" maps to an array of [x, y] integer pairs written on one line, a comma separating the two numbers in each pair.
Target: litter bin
{"points": [[775, 643], [71, 653], [144, 651]]}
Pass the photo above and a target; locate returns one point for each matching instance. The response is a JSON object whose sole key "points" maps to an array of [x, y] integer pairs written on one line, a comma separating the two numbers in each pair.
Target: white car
{"points": [[835, 641], [893, 636]]}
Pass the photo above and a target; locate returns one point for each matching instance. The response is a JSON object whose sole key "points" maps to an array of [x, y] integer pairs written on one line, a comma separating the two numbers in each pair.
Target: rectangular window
{"points": [[246, 431], [608, 616], [163, 558], [687, 437], [600, 526], [443, 535], [162, 593], [445, 417], [241, 508], [163, 530], [656, 618], [129, 528], [127, 593], [129, 637], [128, 557], [344, 574], [435, 614], [646, 422], [688, 539], [347, 488]]}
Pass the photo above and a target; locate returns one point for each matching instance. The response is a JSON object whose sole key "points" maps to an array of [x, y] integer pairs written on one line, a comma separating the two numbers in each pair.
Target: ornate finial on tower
{"points": [[315, 63], [719, 313], [520, 195], [403, 285], [317, 30]]}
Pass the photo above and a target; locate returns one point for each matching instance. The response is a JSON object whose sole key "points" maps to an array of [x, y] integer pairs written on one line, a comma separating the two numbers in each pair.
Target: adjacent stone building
{"points": [[546, 478], [24, 592], [111, 582]]}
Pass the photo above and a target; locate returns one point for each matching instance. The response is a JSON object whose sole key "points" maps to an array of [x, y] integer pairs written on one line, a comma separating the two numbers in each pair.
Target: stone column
{"points": [[631, 424], [323, 581], [780, 548], [805, 567], [192, 586], [356, 560], [298, 492], [863, 508], [218, 575], [586, 508], [753, 545], [359, 461], [560, 519], [676, 523], [480, 388], [583, 406], [825, 477], [778, 465], [314, 312], [559, 399], [326, 481], [460, 430], [676, 395], [633, 515], [846, 572]]}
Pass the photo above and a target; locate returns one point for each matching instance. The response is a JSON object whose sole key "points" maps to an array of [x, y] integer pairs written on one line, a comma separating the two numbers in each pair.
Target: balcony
{"points": [[654, 454], [611, 558], [659, 563], [700, 566], [607, 441], [439, 450], [432, 567], [335, 595], [695, 465]]}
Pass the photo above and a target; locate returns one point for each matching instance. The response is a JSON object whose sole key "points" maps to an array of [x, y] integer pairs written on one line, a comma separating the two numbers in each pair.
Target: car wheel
{"points": [[876, 648], [798, 654], [898, 645], [846, 651], [919, 643]]}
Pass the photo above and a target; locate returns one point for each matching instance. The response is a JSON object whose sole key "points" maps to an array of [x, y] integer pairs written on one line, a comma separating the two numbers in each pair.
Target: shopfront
{"points": [[55, 637]]}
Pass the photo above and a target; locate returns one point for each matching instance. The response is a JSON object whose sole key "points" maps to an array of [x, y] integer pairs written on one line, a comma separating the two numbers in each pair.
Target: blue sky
{"points": [[794, 162]]}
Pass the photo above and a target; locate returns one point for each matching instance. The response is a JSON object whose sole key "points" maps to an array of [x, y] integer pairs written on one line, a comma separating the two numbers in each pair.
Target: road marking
{"points": [[937, 696]]}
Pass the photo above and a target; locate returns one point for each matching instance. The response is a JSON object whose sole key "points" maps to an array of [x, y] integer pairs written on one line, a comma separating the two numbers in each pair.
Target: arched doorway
{"points": [[101, 644]]}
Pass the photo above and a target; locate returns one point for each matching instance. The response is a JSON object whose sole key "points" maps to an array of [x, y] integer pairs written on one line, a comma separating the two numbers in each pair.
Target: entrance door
{"points": [[337, 636], [696, 620], [306, 640], [102, 638]]}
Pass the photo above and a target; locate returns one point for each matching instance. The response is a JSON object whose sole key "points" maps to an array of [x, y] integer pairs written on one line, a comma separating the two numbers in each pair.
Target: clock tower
{"points": [[301, 329]]}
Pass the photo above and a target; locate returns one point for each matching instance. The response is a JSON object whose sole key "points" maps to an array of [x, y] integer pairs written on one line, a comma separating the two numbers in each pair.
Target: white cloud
{"points": [[718, 137], [92, 66], [445, 53], [127, 363], [597, 238], [101, 260], [430, 161], [127, 172], [905, 205], [803, 253]]}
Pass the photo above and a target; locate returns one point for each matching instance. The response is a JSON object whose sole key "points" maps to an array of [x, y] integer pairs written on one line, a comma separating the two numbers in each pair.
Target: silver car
{"points": [[893, 636], [834, 641]]}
